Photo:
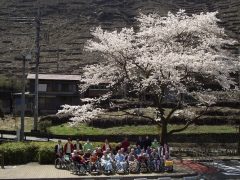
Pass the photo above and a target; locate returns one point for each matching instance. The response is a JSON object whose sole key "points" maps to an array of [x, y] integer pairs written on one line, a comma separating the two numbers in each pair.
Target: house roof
{"points": [[55, 77]]}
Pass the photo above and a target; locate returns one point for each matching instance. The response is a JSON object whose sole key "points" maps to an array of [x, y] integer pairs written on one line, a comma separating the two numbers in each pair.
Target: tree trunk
{"points": [[163, 137]]}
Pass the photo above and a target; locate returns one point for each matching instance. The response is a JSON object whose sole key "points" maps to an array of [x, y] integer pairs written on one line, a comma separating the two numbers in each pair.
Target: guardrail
{"points": [[2, 132]]}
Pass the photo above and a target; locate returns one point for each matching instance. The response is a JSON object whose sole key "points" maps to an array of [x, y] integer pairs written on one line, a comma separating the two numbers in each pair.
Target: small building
{"points": [[54, 90], [97, 90], [17, 103]]}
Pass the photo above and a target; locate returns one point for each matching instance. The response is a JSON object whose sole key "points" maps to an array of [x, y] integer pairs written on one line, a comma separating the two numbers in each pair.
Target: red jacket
{"points": [[104, 147], [125, 145], [71, 146]]}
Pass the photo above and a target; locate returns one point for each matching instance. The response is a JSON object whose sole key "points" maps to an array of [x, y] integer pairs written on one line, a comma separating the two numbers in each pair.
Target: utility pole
{"points": [[58, 53], [37, 56], [23, 101], [58, 58], [23, 58]]}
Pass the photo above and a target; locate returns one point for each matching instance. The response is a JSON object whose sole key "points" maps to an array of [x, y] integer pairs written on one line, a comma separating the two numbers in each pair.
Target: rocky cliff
{"points": [[66, 26]]}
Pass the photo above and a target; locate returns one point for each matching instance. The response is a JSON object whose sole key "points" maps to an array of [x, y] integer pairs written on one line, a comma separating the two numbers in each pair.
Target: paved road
{"points": [[32, 170], [28, 138], [36, 171], [227, 169]]}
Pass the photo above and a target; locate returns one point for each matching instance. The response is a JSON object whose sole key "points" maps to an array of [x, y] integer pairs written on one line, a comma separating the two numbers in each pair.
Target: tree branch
{"points": [[174, 109], [188, 123], [141, 115], [180, 129]]}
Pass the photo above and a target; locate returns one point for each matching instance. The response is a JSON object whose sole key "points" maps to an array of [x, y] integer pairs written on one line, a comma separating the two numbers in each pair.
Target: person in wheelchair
{"points": [[61, 160], [79, 163], [94, 163], [133, 162], [86, 157], [143, 160], [121, 163], [138, 150], [155, 161], [99, 152], [107, 163]]}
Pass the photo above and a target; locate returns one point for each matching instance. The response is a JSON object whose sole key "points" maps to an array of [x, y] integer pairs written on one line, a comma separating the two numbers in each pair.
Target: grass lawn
{"points": [[11, 123], [83, 129]]}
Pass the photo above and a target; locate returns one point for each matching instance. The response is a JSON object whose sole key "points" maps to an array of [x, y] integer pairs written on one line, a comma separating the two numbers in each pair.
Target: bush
{"points": [[17, 153], [46, 154], [112, 122], [24, 152], [43, 125], [54, 119]]}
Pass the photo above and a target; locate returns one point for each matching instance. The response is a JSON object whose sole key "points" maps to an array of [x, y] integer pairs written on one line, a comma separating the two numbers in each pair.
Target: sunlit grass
{"points": [[84, 129]]}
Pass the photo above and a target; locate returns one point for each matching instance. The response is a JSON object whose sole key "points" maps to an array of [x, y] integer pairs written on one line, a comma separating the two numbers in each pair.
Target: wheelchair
{"points": [[63, 162], [121, 167], [157, 165], [94, 168], [107, 168], [144, 166], [78, 168], [133, 167]]}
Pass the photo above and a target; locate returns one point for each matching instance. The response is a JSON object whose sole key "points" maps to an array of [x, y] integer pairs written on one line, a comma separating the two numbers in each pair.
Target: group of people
{"points": [[145, 156]]}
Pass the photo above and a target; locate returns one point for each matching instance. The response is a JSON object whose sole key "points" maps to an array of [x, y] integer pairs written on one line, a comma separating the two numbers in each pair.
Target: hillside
{"points": [[66, 26]]}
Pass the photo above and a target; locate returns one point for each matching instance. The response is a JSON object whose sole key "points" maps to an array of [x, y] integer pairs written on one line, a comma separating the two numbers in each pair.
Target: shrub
{"points": [[43, 125], [24, 152], [46, 154], [17, 153], [112, 122], [54, 119]]}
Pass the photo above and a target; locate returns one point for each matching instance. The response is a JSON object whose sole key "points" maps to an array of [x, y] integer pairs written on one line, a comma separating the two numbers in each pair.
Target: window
{"points": [[42, 87], [65, 87], [47, 103], [72, 88]]}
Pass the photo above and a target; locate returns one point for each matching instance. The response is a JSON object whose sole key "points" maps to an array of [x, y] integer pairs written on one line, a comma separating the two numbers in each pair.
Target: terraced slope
{"points": [[66, 25]]}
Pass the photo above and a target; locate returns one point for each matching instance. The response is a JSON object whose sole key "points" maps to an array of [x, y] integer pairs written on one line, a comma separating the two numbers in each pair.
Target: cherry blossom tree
{"points": [[177, 54]]}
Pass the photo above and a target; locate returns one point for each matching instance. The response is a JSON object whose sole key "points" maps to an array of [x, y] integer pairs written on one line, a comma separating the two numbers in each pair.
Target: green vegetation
{"points": [[10, 83], [214, 116], [24, 152], [11, 123], [20, 153], [83, 129], [151, 112]]}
